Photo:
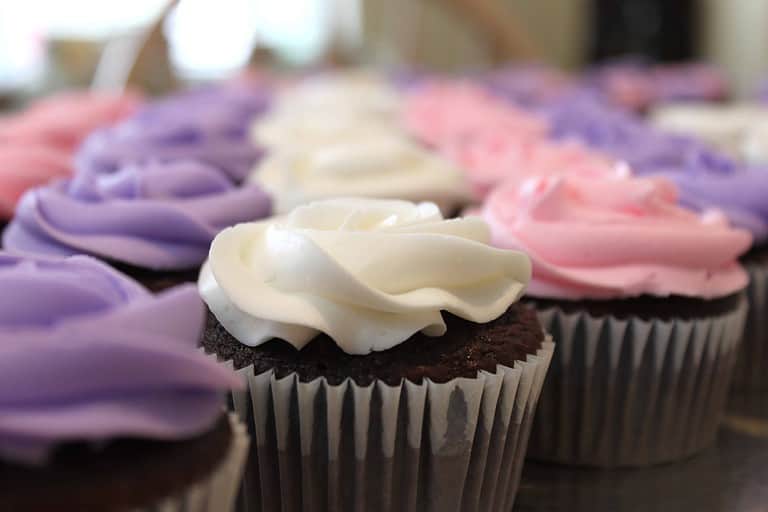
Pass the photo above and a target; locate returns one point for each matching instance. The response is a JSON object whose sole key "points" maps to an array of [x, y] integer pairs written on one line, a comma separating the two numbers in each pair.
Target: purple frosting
{"points": [[706, 178], [209, 125], [158, 215], [86, 354]]}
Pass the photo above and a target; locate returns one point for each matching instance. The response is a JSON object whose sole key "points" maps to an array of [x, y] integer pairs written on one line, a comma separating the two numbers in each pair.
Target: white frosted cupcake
{"points": [[384, 165]]}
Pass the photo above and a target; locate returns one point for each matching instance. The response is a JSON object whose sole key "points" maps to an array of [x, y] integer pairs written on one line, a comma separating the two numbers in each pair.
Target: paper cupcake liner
{"points": [[630, 392], [455, 446], [218, 491], [751, 372]]}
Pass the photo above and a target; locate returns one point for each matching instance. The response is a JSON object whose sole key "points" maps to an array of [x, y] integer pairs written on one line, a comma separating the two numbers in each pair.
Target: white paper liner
{"points": [[455, 446], [218, 491], [751, 372], [630, 392]]}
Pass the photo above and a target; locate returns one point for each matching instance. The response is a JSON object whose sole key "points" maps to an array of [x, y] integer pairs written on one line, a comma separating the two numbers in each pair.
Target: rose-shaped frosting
{"points": [[28, 165], [209, 125], [725, 127], [493, 157], [63, 120], [155, 215], [87, 354], [617, 237], [387, 166], [440, 114], [368, 273], [706, 178]]}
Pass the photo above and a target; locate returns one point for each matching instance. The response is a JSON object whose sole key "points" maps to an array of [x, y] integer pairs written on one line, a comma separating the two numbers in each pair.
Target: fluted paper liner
{"points": [[631, 392], [218, 491], [455, 446], [751, 373]]}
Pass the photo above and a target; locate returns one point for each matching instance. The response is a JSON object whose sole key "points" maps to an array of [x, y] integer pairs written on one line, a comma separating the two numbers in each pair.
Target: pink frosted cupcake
{"points": [[645, 300]]}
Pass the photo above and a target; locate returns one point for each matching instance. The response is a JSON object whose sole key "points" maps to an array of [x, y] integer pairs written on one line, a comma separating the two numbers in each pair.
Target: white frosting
{"points": [[724, 126], [754, 148], [328, 107], [384, 165], [368, 273]]}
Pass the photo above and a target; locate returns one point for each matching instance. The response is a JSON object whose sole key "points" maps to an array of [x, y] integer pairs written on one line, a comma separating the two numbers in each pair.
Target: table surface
{"points": [[732, 476]]}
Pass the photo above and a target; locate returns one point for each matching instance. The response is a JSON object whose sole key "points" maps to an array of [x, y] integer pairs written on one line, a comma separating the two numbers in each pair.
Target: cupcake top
{"points": [[706, 179], [368, 273], [493, 157], [88, 355], [386, 165], [605, 238], [528, 84], [160, 216], [25, 166], [209, 125], [724, 127], [63, 120], [440, 114]]}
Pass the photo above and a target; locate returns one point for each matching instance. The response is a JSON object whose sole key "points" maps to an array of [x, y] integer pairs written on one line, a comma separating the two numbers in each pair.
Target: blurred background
{"points": [[155, 44]]}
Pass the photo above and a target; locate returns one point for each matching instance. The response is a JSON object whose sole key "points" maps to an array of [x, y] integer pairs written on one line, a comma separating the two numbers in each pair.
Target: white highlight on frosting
{"points": [[386, 166], [368, 273]]}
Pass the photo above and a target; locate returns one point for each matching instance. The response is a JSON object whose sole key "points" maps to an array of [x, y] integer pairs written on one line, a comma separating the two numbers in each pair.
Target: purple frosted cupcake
{"points": [[106, 402], [209, 125], [153, 221], [705, 179]]}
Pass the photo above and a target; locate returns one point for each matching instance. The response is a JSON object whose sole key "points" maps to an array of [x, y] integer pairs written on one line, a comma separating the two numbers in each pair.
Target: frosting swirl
{"points": [[87, 354], [382, 166], [209, 125], [156, 215], [26, 166], [621, 237], [368, 273]]}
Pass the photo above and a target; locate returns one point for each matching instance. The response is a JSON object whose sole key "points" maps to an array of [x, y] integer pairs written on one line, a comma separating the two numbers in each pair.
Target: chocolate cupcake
{"points": [[360, 393], [107, 404], [153, 221], [645, 301], [706, 179]]}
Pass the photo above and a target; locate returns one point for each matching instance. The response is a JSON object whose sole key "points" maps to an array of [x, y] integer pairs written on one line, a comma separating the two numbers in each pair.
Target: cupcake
{"points": [[645, 300], [387, 165], [107, 403], [442, 113], [726, 128], [327, 108], [388, 362], [154, 221], [37, 144], [209, 125], [706, 179], [529, 85]]}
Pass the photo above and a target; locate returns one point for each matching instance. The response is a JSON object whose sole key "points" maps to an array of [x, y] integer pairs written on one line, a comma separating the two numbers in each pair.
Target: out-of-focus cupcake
{"points": [[645, 301], [327, 108], [706, 179], [386, 165], [389, 363], [154, 221], [529, 85], [36, 144], [441, 114], [209, 125], [107, 404], [725, 127]]}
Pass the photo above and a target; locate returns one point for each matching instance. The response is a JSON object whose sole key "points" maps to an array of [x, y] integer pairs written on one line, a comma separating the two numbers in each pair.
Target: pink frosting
{"points": [[36, 145], [601, 238], [439, 114], [63, 120], [493, 157]]}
